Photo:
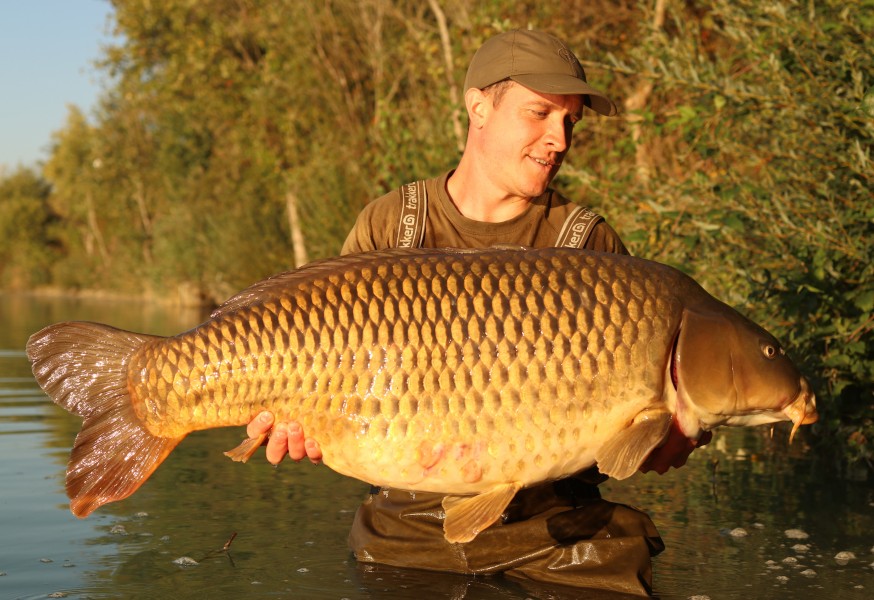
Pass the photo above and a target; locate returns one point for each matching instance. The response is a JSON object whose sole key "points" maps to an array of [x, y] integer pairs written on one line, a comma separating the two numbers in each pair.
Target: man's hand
{"points": [[674, 452], [286, 439]]}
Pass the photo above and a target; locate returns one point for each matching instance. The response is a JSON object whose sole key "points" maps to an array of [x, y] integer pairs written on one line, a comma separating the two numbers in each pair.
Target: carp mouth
{"points": [[802, 410]]}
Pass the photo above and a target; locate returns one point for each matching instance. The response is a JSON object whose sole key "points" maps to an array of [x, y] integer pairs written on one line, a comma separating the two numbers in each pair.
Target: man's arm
{"points": [[605, 239], [288, 438], [375, 227], [674, 452], [677, 448]]}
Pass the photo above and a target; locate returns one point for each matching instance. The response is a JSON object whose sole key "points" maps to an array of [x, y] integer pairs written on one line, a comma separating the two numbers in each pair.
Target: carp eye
{"points": [[770, 351]]}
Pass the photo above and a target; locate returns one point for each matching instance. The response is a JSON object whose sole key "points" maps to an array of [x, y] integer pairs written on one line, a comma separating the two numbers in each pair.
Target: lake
{"points": [[748, 517]]}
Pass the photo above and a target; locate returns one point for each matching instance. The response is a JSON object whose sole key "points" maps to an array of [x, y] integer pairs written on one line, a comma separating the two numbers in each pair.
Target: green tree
{"points": [[26, 253], [73, 170]]}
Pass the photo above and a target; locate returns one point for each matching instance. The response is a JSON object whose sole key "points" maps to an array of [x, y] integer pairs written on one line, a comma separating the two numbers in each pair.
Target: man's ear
{"points": [[478, 106]]}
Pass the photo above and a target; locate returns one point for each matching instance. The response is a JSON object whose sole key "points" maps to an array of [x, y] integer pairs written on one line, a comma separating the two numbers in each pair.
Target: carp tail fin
{"points": [[83, 368], [624, 454], [467, 516]]}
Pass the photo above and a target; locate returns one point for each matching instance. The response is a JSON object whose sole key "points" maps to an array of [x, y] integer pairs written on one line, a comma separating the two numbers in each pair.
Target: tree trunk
{"points": [[637, 101], [446, 42], [94, 228], [145, 219], [298, 243]]}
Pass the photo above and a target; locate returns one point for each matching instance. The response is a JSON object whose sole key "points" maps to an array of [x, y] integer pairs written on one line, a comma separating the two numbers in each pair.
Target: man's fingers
{"points": [[300, 447], [277, 445], [314, 452], [295, 445], [260, 424], [285, 439]]}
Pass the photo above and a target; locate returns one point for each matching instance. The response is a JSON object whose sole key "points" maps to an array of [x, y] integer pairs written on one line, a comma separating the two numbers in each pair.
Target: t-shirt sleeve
{"points": [[376, 226], [605, 239]]}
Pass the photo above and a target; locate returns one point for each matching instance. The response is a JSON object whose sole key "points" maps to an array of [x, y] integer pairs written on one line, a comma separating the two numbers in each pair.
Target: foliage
{"points": [[757, 153], [26, 249], [241, 138]]}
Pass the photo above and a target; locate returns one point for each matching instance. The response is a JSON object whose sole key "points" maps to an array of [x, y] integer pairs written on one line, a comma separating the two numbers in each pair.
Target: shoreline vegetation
{"points": [[234, 141], [185, 298]]}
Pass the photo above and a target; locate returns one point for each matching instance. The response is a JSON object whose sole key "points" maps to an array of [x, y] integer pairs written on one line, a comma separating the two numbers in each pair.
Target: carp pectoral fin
{"points": [[244, 451], [467, 516], [623, 455]]}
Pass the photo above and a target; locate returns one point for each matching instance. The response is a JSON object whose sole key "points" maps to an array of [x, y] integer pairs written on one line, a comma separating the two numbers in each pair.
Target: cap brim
{"points": [[552, 83]]}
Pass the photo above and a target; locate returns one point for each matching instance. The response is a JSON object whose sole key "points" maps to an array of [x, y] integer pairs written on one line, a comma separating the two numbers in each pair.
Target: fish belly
{"points": [[433, 371]]}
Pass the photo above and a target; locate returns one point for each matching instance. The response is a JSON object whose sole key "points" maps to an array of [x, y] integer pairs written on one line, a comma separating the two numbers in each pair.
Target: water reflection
{"points": [[725, 520], [289, 525]]}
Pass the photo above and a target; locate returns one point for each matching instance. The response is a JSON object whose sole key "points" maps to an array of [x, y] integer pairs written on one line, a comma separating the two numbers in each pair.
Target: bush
{"points": [[26, 253], [757, 148]]}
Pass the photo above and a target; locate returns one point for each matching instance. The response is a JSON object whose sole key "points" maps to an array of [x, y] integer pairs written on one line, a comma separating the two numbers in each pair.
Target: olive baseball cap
{"points": [[537, 60]]}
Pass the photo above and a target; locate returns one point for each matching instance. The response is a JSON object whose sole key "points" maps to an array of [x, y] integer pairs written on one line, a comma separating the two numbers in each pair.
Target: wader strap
{"points": [[577, 228], [414, 208]]}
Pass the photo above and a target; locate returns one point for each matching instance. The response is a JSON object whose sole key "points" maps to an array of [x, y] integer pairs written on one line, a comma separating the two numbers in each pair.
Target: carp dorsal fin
{"points": [[466, 516], [277, 285], [623, 455], [516, 247]]}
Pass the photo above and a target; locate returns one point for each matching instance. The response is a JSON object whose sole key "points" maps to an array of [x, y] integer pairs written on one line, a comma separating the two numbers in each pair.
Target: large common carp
{"points": [[467, 372]]}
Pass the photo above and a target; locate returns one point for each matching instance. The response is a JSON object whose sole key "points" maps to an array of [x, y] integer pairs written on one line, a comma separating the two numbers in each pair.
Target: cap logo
{"points": [[567, 56]]}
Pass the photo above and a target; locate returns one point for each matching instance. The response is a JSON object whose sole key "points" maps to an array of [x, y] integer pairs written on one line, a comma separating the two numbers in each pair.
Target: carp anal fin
{"points": [[246, 449], [83, 368], [623, 455], [467, 516]]}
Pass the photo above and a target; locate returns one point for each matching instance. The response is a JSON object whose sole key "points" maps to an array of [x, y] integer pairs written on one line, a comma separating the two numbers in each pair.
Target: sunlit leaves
{"points": [[26, 248]]}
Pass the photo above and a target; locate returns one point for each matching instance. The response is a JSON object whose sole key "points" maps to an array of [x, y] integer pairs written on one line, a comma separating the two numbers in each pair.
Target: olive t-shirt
{"points": [[445, 227]]}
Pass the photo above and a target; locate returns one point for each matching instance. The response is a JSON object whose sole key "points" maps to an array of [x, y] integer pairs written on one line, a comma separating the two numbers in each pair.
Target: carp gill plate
{"points": [[471, 373]]}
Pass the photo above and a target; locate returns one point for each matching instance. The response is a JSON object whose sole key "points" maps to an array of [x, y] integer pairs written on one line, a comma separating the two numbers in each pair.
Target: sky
{"points": [[47, 50]]}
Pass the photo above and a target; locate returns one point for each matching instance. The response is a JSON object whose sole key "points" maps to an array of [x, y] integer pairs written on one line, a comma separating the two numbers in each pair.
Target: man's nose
{"points": [[558, 134]]}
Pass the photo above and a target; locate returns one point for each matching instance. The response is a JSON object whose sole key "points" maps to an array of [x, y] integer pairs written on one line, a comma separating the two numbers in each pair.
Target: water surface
{"points": [[285, 528]]}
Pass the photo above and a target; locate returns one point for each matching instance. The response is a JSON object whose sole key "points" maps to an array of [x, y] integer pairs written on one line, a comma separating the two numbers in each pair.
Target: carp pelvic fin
{"points": [[623, 455], [83, 368], [467, 516]]}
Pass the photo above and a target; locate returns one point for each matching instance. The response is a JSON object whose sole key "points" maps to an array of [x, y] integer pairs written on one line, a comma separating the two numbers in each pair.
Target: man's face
{"points": [[525, 138]]}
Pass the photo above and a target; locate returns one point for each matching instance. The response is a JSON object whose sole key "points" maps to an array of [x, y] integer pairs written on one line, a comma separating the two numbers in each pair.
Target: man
{"points": [[524, 92]]}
